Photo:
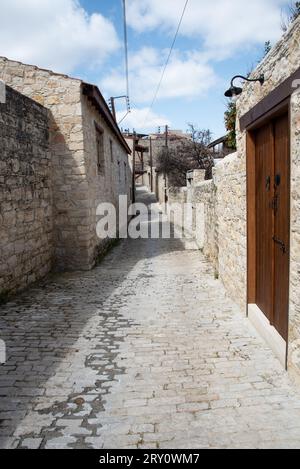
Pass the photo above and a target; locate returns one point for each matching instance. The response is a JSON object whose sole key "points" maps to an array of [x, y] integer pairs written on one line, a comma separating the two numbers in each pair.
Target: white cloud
{"points": [[222, 25], [57, 34], [142, 119], [187, 75]]}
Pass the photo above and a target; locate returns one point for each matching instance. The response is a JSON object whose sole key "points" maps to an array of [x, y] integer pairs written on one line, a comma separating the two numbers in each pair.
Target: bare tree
{"points": [[203, 136], [187, 155]]}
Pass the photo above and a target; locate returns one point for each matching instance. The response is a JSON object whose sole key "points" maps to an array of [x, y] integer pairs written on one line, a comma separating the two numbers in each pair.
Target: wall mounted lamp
{"points": [[235, 91]]}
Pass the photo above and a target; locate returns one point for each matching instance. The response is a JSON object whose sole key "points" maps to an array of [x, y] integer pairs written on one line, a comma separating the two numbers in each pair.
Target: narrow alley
{"points": [[145, 351]]}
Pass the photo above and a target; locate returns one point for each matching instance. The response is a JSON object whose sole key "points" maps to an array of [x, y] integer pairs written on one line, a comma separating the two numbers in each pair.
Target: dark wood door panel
{"points": [[264, 220]]}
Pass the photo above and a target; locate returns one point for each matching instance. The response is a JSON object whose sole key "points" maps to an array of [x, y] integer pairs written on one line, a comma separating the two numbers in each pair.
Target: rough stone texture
{"points": [[61, 95], [230, 186], [177, 195], [121, 367], [105, 187], [26, 219], [294, 314], [76, 184], [206, 232]]}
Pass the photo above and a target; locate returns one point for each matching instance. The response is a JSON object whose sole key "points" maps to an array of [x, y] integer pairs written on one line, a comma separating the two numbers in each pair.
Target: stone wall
{"points": [[104, 187], [77, 187], [62, 96], [294, 313], [220, 221], [206, 233], [159, 189], [231, 215], [158, 183], [26, 218]]}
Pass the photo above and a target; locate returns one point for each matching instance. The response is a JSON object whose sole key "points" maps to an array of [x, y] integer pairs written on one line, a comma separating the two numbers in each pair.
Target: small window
{"points": [[100, 150], [119, 170], [111, 151], [125, 171]]}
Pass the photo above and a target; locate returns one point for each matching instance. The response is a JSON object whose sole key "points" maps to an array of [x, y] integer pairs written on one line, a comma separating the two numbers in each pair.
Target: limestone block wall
{"points": [[106, 186], [294, 319], [160, 185], [177, 195], [62, 96], [206, 232], [148, 178], [231, 215], [219, 211], [26, 216]]}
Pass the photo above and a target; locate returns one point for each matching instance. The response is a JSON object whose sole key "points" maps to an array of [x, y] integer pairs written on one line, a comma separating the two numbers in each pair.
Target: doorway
{"points": [[268, 177]]}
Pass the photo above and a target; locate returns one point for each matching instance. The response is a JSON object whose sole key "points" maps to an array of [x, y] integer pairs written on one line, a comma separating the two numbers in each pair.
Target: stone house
{"points": [[249, 213], [220, 148], [88, 159]]}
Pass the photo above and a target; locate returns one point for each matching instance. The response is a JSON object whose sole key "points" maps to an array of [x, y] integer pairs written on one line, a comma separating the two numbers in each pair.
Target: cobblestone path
{"points": [[145, 351]]}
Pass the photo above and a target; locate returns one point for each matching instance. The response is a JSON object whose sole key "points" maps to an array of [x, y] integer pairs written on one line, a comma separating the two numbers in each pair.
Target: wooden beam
{"points": [[273, 99]]}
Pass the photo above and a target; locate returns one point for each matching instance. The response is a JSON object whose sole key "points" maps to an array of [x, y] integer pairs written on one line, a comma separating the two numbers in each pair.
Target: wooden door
{"points": [[272, 221], [264, 220]]}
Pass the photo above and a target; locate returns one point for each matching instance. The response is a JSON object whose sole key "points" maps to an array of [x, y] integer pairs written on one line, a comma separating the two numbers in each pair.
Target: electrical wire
{"points": [[126, 54], [167, 62], [123, 118]]}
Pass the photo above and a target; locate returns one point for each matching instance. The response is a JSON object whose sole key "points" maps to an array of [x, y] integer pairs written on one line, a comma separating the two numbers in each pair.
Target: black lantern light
{"points": [[235, 91]]}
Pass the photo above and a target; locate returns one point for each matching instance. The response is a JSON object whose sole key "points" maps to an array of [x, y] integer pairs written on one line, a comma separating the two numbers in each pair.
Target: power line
{"points": [[112, 100], [126, 53], [167, 61], [123, 118]]}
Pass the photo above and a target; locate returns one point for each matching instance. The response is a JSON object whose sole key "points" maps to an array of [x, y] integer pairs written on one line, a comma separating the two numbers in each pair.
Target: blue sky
{"points": [[84, 38]]}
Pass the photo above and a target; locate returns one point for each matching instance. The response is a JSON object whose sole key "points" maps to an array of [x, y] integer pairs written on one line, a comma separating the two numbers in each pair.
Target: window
{"points": [[111, 151], [125, 172], [100, 150], [119, 170]]}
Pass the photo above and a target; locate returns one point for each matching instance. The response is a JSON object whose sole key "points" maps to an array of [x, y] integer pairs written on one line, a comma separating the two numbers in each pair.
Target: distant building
{"points": [[220, 148], [85, 163], [173, 135]]}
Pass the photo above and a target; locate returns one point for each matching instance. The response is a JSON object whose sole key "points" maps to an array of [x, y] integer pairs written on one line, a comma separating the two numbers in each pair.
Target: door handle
{"points": [[277, 180], [281, 244]]}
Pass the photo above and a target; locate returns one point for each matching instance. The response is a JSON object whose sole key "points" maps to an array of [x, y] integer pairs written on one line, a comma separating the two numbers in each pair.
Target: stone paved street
{"points": [[145, 351]]}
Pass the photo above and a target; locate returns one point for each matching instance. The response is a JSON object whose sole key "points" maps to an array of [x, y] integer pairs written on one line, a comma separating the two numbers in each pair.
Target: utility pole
{"points": [[133, 167], [166, 136], [151, 164], [166, 150], [113, 106]]}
